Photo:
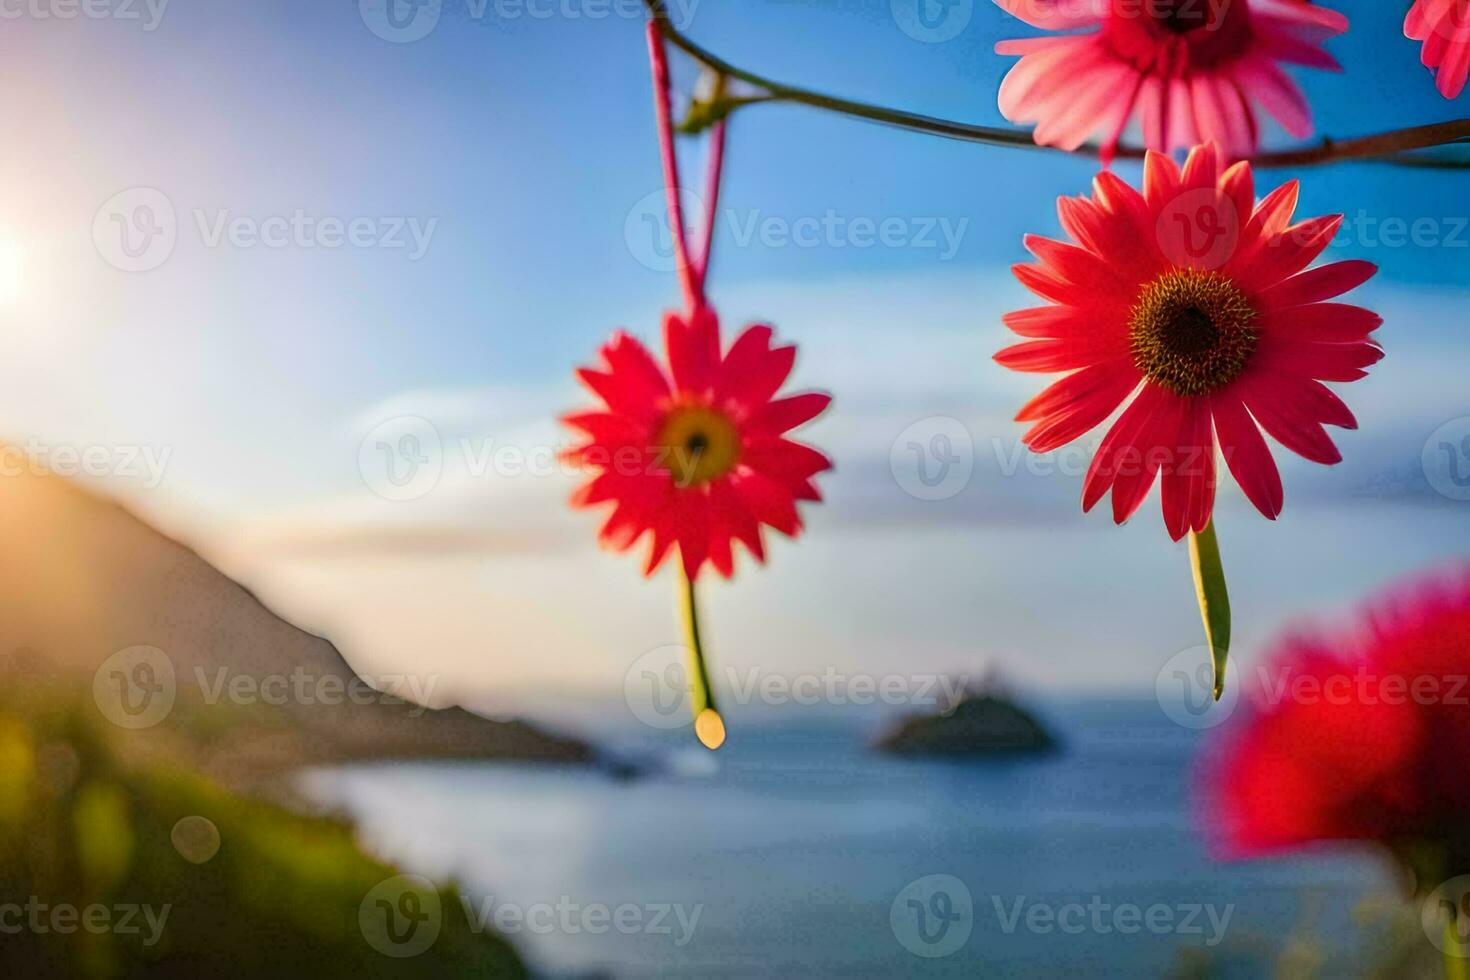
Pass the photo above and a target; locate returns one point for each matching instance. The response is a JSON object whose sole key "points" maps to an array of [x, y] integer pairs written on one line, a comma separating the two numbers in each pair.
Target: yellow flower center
{"points": [[1190, 331], [698, 444]]}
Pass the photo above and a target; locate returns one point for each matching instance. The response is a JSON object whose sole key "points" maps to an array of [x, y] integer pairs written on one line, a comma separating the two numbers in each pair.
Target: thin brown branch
{"points": [[1393, 147]]}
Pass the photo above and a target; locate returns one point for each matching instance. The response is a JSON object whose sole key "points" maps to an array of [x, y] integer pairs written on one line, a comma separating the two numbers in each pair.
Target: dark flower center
{"points": [[1173, 37], [1179, 16], [698, 444], [1190, 331]]}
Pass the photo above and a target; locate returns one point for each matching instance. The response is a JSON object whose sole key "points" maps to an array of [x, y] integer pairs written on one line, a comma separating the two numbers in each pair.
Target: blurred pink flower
{"points": [[1191, 72], [1444, 27]]}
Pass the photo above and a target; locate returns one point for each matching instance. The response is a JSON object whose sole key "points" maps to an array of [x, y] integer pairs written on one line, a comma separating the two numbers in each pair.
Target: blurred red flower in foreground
{"points": [[1194, 296], [696, 456], [1359, 734], [1444, 27], [1191, 70]]}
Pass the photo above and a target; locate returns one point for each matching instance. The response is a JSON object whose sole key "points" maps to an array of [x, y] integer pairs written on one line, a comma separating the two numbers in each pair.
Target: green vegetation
{"points": [[95, 881]]}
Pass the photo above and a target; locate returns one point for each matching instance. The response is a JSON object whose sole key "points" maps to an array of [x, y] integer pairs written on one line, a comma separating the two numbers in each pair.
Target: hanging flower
{"points": [[1359, 734], [1444, 27], [1193, 297], [696, 456], [1191, 71]]}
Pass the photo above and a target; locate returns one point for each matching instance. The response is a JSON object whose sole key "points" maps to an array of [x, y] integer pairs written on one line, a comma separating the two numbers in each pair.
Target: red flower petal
{"points": [[784, 458], [1325, 362], [1064, 424], [1188, 475], [1271, 217], [734, 515], [1060, 321], [1290, 426], [1334, 323], [634, 383], [1160, 181], [692, 525], [1082, 390], [662, 542], [767, 500], [1315, 285], [1159, 429], [1050, 356], [1247, 455], [785, 414], [1072, 264], [753, 370], [1118, 450], [693, 346], [1201, 169], [1238, 184], [1289, 253]]}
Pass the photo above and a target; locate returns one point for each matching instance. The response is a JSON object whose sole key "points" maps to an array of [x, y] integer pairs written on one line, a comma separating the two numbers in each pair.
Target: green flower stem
{"points": [[1454, 965], [1214, 598], [708, 725]]}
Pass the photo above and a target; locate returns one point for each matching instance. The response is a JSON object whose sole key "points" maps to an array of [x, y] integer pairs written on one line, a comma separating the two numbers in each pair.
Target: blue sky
{"points": [[526, 145]]}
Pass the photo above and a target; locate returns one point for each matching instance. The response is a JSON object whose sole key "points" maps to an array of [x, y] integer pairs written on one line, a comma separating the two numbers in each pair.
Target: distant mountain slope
{"points": [[81, 579]]}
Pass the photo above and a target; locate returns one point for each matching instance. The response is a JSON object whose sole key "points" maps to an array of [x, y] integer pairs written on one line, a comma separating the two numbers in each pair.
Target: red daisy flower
{"points": [[696, 456], [1189, 69], [1194, 296], [1444, 27], [1360, 734]]}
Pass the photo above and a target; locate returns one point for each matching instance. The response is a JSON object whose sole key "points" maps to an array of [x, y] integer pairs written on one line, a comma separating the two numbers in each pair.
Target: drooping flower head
{"points": [[1362, 733], [1191, 71], [696, 456], [1444, 27], [1194, 299]]}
